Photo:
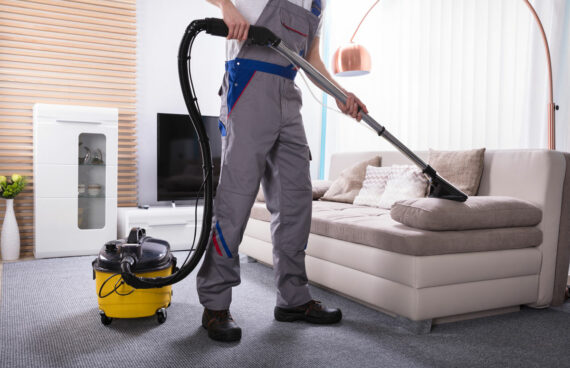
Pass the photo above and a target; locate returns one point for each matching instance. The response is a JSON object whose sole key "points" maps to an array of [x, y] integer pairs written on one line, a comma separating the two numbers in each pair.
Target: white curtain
{"points": [[452, 74]]}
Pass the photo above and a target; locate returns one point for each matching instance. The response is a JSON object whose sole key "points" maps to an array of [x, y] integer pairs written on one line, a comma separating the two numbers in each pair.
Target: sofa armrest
{"points": [[538, 177]]}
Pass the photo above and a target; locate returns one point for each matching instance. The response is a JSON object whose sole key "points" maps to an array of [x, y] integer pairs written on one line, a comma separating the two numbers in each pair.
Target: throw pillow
{"points": [[405, 182], [373, 186], [346, 187], [463, 169], [320, 187]]}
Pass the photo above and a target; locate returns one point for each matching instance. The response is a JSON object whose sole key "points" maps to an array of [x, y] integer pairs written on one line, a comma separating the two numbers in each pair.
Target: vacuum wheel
{"points": [[104, 319], [161, 315]]}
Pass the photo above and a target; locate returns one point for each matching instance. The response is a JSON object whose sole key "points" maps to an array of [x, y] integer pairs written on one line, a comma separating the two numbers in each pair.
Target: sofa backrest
{"points": [[538, 176]]}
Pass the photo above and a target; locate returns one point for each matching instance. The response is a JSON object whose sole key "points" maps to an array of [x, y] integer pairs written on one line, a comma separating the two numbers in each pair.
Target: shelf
{"points": [[87, 196], [91, 165]]}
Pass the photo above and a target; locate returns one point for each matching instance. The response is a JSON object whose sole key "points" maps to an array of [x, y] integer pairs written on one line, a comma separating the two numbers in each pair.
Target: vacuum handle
{"points": [[135, 235], [257, 35]]}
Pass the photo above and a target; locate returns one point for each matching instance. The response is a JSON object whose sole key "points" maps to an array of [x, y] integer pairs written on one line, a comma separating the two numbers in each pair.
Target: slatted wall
{"points": [[73, 52]]}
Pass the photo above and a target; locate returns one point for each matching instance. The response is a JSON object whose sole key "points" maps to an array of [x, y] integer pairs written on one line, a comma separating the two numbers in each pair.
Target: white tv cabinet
{"points": [[174, 224], [75, 179]]}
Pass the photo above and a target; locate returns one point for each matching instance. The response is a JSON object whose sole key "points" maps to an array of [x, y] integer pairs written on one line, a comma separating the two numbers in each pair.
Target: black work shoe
{"points": [[312, 312], [220, 325]]}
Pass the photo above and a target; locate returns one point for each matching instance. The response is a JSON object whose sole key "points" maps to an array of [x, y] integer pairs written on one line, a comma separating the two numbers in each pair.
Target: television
{"points": [[179, 162]]}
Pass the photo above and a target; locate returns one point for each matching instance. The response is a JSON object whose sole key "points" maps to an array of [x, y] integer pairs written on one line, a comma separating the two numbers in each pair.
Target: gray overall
{"points": [[263, 139]]}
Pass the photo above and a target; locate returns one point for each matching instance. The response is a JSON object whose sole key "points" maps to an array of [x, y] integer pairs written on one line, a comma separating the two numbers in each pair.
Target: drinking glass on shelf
{"points": [[97, 157], [85, 158]]}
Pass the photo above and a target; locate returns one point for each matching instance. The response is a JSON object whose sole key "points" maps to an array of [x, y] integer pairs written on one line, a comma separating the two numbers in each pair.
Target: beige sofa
{"points": [[438, 284]]}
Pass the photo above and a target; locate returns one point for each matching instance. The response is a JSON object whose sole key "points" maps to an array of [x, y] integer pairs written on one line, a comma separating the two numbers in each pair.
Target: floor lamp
{"points": [[353, 59]]}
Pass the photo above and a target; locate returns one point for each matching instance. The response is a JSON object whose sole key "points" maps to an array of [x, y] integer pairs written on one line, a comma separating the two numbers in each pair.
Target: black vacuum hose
{"points": [[130, 278], [216, 27]]}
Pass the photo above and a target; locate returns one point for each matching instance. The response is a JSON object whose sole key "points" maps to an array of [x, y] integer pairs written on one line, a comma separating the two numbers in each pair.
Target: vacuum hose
{"points": [[217, 27]]}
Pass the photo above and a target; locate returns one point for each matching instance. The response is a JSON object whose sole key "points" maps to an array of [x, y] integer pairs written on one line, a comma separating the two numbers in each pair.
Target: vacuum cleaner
{"points": [[140, 263], [119, 300]]}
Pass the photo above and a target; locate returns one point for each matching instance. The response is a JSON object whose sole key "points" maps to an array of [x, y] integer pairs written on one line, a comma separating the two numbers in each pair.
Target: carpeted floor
{"points": [[49, 318]]}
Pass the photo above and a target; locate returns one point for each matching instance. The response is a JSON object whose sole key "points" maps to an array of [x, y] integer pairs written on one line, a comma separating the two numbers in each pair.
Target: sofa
{"points": [[446, 281]]}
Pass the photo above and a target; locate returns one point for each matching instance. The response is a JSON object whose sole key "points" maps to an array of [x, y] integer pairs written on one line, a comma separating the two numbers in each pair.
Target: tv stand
{"points": [[175, 224]]}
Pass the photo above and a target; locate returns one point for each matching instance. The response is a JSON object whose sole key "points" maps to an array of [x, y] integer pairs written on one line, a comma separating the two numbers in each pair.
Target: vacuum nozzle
{"points": [[441, 188]]}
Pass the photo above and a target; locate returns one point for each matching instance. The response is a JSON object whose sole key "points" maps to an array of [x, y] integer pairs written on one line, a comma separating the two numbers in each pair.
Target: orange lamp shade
{"points": [[350, 60]]}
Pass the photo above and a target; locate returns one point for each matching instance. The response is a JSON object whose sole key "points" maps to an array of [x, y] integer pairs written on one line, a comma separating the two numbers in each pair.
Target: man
{"points": [[263, 139]]}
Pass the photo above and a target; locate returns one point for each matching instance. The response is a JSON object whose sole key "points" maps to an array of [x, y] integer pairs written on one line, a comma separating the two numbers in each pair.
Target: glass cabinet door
{"points": [[91, 183]]}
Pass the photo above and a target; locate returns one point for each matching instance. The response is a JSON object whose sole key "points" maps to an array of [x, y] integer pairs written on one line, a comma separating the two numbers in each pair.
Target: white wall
{"points": [[160, 26]]}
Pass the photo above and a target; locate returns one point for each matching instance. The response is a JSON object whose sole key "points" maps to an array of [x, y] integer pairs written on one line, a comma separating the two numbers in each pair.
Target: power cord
{"points": [[118, 284], [302, 74]]}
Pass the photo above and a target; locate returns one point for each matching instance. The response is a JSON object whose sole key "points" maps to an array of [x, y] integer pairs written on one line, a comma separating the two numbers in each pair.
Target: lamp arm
{"points": [[546, 47], [551, 105], [365, 15]]}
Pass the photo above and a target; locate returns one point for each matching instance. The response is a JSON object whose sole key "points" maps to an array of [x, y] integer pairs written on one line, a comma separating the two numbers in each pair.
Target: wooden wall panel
{"points": [[73, 52]]}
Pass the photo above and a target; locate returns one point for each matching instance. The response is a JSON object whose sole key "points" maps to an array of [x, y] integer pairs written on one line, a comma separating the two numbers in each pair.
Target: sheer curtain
{"points": [[452, 74]]}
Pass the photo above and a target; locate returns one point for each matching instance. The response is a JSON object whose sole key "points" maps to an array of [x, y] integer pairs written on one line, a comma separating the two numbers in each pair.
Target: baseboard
{"points": [[474, 315]]}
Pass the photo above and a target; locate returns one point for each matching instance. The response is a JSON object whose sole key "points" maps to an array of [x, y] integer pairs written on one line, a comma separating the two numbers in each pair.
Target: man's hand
{"points": [[238, 27], [352, 106]]}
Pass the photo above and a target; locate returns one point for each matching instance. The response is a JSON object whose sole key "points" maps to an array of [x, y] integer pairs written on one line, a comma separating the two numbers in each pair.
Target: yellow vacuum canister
{"points": [[119, 300]]}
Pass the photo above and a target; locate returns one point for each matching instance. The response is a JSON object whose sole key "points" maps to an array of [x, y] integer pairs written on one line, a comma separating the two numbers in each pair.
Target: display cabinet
{"points": [[75, 179]]}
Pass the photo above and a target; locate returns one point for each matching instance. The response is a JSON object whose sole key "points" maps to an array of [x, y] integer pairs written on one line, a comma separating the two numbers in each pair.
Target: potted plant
{"points": [[10, 236]]}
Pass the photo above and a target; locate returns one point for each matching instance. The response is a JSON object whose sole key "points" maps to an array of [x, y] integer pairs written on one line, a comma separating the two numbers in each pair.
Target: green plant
{"points": [[11, 187]]}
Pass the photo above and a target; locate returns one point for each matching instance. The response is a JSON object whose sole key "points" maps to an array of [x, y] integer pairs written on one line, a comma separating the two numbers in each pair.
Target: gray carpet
{"points": [[49, 318]]}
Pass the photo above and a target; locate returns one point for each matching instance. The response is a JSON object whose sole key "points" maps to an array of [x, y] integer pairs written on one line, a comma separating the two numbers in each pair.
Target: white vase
{"points": [[10, 237]]}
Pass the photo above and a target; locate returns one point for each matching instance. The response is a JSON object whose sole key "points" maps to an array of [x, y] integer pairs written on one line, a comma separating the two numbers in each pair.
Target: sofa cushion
{"points": [[345, 188], [485, 212], [463, 169], [260, 212], [417, 272], [374, 227], [260, 196]]}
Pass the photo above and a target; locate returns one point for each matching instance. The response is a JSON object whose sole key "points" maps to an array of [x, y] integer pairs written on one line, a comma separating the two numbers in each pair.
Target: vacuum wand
{"points": [[439, 187], [337, 93]]}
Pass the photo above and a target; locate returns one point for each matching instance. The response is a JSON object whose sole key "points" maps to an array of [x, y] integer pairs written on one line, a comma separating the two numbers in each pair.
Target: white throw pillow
{"points": [[405, 182], [373, 186]]}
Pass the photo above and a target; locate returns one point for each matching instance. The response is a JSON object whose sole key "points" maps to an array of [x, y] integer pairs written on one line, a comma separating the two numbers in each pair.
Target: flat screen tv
{"points": [[179, 162]]}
